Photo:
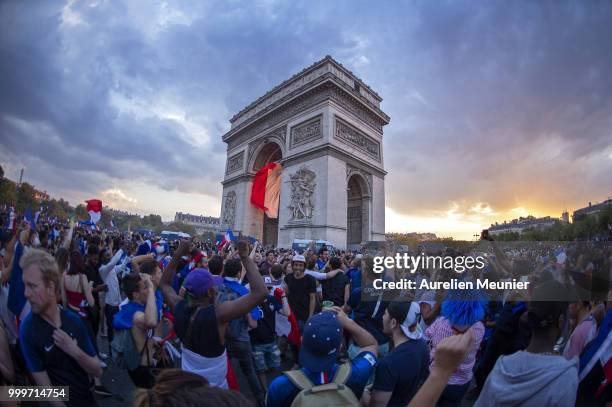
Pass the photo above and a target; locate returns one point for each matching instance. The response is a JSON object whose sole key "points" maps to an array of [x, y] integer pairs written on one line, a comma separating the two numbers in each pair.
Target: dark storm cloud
{"points": [[60, 77], [482, 95]]}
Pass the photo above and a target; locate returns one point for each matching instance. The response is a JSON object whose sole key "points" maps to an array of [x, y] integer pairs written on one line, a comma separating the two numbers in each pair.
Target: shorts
{"points": [[266, 357]]}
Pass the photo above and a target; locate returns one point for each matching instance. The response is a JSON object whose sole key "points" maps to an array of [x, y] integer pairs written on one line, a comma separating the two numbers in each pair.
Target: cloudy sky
{"points": [[498, 109]]}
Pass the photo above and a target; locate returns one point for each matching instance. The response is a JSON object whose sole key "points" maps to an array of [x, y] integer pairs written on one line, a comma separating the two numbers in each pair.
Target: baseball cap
{"points": [[299, 258], [320, 342], [411, 327], [199, 281]]}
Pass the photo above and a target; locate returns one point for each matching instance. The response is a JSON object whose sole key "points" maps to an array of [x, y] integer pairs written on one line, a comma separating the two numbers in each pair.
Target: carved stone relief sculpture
{"points": [[302, 195], [229, 210]]}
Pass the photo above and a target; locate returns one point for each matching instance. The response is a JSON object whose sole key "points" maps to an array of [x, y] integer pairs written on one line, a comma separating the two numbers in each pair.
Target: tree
{"points": [[25, 197], [8, 192], [604, 220], [81, 212], [60, 208], [152, 221]]}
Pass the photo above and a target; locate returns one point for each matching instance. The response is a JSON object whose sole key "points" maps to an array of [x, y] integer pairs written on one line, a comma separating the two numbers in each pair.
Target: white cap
{"points": [[410, 326], [299, 258]]}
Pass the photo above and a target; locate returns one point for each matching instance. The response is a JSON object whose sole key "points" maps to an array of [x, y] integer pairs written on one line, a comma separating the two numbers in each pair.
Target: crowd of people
{"points": [[189, 320]]}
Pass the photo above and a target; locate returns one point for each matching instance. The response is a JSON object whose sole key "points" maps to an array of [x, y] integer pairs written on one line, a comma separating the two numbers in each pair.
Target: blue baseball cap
{"points": [[320, 342], [199, 281]]}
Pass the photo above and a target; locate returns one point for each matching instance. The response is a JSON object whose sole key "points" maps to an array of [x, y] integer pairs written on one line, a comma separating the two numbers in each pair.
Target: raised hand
{"points": [[340, 314], [65, 342], [242, 247], [451, 351], [184, 249]]}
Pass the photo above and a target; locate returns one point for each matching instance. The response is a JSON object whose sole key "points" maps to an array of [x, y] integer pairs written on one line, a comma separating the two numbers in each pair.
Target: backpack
{"points": [[125, 354], [336, 393]]}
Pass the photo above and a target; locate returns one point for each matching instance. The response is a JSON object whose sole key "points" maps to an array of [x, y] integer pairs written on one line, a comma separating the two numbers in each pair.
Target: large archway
{"points": [[270, 152], [357, 211]]}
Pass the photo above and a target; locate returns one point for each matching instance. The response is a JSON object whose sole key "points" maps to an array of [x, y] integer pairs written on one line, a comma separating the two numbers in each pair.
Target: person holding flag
{"points": [[94, 208], [200, 321], [227, 239]]}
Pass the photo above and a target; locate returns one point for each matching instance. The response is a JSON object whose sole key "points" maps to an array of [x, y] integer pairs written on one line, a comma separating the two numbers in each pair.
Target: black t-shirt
{"points": [[205, 332], [266, 325], [333, 289], [402, 371], [41, 354], [93, 275], [299, 294], [368, 314]]}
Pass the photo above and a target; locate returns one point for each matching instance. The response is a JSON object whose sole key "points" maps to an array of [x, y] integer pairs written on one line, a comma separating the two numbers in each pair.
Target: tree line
{"points": [[24, 196]]}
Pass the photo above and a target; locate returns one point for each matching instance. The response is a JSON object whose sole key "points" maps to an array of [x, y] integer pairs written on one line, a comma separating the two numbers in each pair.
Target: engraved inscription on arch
{"points": [[357, 139], [306, 132], [235, 163]]}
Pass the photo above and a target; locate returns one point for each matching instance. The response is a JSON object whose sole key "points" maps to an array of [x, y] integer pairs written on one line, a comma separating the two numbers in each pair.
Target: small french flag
{"points": [[94, 207], [229, 236]]}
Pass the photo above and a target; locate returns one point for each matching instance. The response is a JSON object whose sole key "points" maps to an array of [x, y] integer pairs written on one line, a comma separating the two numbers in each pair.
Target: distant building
{"points": [[118, 212], [565, 217], [201, 223], [521, 224], [591, 209], [431, 247], [421, 237], [41, 195]]}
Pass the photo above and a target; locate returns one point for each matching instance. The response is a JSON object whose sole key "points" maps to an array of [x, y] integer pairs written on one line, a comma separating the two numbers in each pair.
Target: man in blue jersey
{"points": [[56, 347], [321, 340]]}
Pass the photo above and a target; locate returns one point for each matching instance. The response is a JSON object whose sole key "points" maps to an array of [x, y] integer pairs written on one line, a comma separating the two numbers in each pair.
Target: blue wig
{"points": [[464, 307]]}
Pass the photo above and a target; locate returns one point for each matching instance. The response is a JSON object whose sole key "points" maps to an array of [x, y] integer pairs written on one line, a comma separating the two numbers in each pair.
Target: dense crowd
{"points": [[186, 318]]}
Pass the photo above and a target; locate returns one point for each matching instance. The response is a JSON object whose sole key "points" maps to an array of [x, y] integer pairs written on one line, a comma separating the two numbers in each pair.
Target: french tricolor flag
{"points": [[265, 193], [94, 207], [229, 236]]}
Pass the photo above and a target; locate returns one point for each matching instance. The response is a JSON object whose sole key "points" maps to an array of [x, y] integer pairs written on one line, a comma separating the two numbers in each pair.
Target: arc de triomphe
{"points": [[325, 127]]}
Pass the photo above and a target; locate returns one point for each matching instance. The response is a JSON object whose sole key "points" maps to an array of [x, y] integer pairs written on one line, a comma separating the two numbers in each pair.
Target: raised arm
{"points": [[139, 259], [252, 255], [148, 319], [68, 238], [318, 275], [165, 285], [362, 338], [106, 268], [450, 352], [229, 310]]}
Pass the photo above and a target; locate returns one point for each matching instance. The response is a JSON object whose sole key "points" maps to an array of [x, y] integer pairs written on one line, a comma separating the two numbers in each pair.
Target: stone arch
{"points": [[259, 152], [359, 201], [267, 151]]}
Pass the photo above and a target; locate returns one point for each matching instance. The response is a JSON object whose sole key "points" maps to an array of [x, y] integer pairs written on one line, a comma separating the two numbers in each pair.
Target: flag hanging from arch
{"points": [[265, 193]]}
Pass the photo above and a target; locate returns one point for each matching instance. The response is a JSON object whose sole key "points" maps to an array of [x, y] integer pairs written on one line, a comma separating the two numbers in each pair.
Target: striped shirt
{"points": [[441, 329]]}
